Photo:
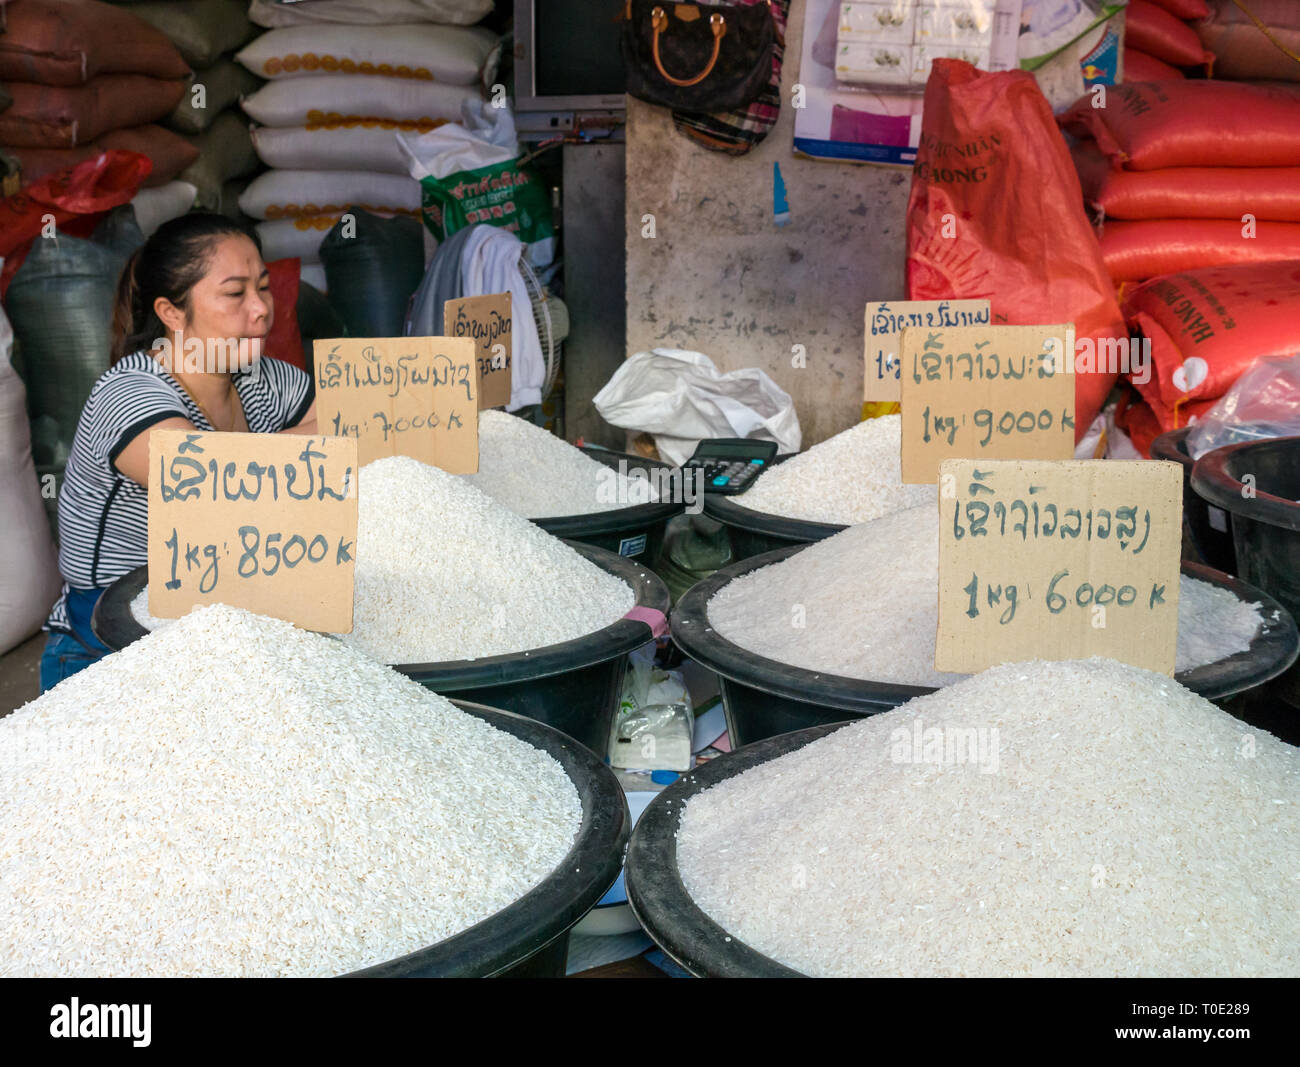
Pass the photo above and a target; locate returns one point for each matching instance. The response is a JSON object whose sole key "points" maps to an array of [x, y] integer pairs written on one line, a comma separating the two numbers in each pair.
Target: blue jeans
{"points": [[67, 653]]}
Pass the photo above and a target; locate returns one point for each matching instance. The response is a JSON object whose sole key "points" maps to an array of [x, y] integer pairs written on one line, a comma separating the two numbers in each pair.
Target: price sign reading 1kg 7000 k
{"points": [[1058, 560], [266, 522], [985, 392], [401, 396]]}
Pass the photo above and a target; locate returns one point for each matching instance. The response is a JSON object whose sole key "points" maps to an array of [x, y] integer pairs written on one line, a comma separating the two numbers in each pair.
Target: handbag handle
{"points": [[659, 20]]}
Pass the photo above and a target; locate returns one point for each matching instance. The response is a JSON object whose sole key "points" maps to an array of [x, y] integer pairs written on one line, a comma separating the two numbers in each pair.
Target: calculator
{"points": [[729, 465]]}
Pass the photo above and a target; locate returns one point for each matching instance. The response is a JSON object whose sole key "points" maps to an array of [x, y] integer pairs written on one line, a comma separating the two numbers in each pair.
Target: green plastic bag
{"points": [[470, 175]]}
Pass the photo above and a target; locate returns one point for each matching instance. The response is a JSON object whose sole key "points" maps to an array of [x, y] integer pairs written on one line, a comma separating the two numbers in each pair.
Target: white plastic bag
{"points": [[682, 398], [1264, 402], [29, 574], [655, 722]]}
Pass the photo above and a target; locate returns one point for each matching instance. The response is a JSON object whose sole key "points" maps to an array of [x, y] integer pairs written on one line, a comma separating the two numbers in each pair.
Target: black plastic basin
{"points": [[530, 938], [763, 698], [573, 686], [655, 891], [1206, 523], [636, 531], [754, 533], [1258, 484]]}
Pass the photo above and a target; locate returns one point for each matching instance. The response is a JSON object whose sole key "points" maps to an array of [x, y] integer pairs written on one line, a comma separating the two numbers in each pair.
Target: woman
{"points": [[199, 279]]}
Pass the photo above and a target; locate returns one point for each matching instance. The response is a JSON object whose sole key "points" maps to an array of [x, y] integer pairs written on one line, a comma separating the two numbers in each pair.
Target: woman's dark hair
{"points": [[169, 265]]}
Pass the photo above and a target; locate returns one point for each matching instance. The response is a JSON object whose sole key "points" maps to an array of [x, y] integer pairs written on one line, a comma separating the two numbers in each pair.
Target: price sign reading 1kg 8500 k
{"points": [[401, 396], [985, 392], [266, 522], [1058, 560]]}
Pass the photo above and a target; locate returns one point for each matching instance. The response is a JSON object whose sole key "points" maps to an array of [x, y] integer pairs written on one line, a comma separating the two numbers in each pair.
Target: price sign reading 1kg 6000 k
{"points": [[1058, 560], [401, 396], [992, 392], [266, 522]]}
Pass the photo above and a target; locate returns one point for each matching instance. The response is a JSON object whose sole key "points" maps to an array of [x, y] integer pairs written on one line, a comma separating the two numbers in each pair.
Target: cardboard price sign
{"points": [[486, 320], [986, 392], [1058, 560], [883, 325], [266, 522], [401, 396]]}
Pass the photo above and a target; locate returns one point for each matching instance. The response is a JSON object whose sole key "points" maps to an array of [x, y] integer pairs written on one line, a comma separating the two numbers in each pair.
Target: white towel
{"points": [[490, 264]]}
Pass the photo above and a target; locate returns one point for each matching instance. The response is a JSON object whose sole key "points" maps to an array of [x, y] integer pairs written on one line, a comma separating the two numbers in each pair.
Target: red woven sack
{"points": [[1140, 67], [1136, 251], [992, 165], [45, 117], [68, 42], [1206, 327], [1271, 193], [170, 153], [1153, 30], [1192, 123], [1185, 9]]}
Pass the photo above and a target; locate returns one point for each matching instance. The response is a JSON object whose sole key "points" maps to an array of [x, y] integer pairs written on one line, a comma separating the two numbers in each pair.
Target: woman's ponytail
{"points": [[124, 309]]}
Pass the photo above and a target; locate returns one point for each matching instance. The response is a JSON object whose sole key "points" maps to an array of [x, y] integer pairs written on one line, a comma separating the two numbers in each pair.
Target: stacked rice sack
{"points": [[1199, 230], [1259, 44], [207, 33], [85, 76], [1160, 43], [341, 86]]}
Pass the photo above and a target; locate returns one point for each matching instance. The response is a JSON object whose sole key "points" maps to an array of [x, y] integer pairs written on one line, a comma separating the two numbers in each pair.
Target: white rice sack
{"points": [[299, 237], [278, 194], [417, 106], [1083, 818], [273, 13], [444, 572], [851, 477], [864, 604], [235, 797], [538, 475], [371, 147], [453, 55], [162, 203]]}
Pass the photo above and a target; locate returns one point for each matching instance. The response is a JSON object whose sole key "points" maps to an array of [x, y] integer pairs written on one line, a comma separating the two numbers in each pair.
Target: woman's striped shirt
{"points": [[104, 515]]}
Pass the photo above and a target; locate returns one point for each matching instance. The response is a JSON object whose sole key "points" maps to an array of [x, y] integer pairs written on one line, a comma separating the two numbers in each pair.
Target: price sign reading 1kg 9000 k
{"points": [[266, 522], [985, 392], [401, 396], [1058, 560]]}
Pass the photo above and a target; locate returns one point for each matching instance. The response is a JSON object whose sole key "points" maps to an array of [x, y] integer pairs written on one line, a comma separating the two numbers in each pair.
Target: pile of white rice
{"points": [[864, 604], [849, 478], [538, 475], [1111, 823], [444, 572], [232, 796]]}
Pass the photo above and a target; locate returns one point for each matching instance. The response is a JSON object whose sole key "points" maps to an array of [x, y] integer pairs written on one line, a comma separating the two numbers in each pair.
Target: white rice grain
{"points": [[1126, 828], [232, 796], [538, 475], [864, 604], [849, 478], [444, 572]]}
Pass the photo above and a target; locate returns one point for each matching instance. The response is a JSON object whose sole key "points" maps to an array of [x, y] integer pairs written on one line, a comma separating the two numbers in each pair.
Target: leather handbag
{"points": [[697, 57]]}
